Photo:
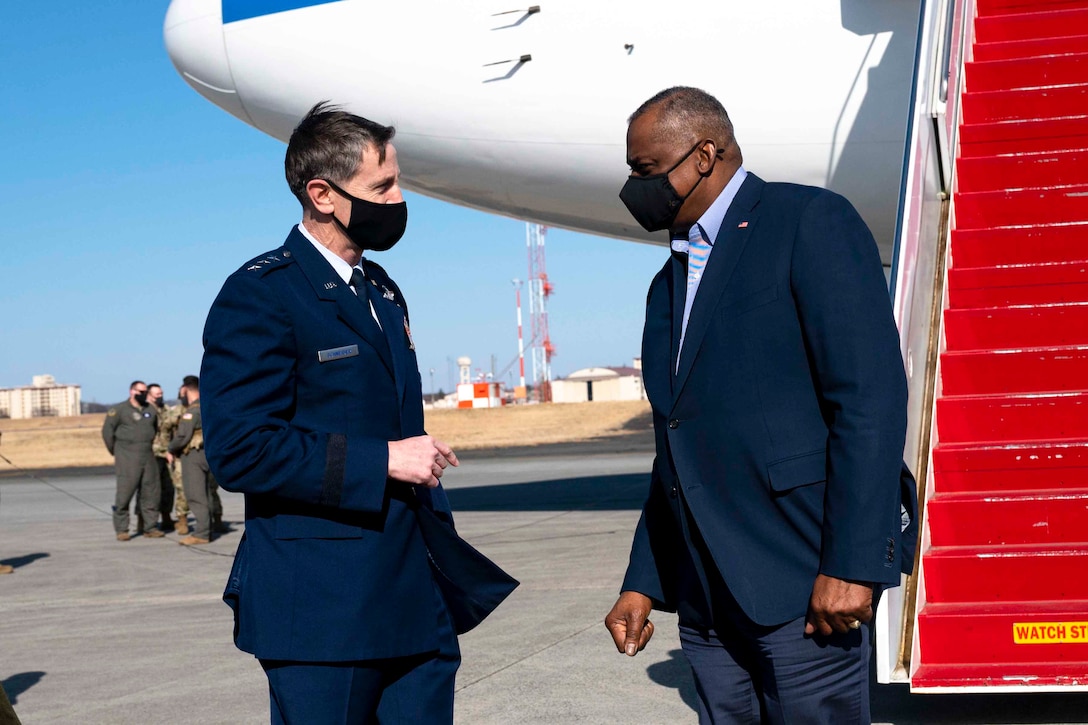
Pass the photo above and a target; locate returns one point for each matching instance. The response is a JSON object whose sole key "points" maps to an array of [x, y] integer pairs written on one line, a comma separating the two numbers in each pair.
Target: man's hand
{"points": [[836, 604], [420, 460], [169, 458], [629, 623]]}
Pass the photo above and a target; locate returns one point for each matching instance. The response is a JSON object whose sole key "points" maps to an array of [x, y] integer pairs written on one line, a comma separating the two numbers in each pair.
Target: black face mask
{"points": [[652, 200], [183, 399], [141, 398], [373, 226]]}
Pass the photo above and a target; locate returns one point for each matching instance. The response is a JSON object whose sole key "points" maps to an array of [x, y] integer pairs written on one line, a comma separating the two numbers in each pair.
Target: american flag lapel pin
{"points": [[742, 225]]}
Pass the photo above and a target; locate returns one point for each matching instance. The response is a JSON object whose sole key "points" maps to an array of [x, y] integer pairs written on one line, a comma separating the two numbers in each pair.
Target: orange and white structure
{"points": [[485, 394]]}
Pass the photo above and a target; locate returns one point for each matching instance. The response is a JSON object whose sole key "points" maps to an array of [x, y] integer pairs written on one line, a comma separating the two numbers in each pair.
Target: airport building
{"points": [[44, 398], [600, 384]]}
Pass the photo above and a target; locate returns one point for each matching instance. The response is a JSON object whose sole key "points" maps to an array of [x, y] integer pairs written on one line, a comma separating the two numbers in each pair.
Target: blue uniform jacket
{"points": [[301, 393], [783, 428]]}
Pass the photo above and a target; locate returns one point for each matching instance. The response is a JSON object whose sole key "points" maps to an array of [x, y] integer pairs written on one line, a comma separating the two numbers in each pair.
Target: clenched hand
{"points": [[420, 460], [836, 603], [629, 623]]}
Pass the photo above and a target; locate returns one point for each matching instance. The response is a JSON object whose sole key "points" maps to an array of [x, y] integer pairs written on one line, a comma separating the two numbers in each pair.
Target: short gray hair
{"points": [[328, 143], [688, 114]]}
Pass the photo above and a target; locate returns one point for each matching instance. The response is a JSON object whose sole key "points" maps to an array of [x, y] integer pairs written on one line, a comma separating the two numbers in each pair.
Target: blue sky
{"points": [[127, 199]]}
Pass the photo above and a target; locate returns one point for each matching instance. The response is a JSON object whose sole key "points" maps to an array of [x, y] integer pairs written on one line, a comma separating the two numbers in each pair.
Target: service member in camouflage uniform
{"points": [[188, 445], [166, 492], [173, 497], [128, 431]]}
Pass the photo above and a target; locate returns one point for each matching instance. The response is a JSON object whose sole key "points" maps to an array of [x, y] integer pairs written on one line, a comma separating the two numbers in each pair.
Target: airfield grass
{"points": [[76, 442]]}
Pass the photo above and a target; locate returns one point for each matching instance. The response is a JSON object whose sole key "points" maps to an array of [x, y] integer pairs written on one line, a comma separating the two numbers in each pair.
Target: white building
{"points": [[45, 398], [600, 384]]}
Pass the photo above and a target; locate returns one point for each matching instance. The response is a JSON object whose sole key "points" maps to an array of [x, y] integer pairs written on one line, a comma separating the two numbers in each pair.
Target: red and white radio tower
{"points": [[540, 343]]}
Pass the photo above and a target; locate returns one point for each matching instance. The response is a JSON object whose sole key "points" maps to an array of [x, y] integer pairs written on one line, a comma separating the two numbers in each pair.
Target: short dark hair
{"points": [[689, 114], [328, 143], [191, 381], [154, 385], [134, 383]]}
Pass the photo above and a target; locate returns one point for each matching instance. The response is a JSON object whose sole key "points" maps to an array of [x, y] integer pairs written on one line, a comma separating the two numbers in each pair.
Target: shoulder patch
{"points": [[112, 411]]}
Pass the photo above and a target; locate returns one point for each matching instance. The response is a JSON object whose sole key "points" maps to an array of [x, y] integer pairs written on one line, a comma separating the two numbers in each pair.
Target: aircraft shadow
{"points": [[20, 683], [20, 561], [620, 492]]}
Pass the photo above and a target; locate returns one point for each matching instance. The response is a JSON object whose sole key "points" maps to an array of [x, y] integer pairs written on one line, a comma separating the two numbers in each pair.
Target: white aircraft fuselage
{"points": [[522, 110]]}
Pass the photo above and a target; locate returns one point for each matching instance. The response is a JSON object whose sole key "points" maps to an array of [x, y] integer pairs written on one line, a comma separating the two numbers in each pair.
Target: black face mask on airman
{"points": [[141, 398], [373, 226], [652, 200]]}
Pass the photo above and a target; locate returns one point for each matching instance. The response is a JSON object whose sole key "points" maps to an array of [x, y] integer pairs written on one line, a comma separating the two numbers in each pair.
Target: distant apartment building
{"points": [[44, 398]]}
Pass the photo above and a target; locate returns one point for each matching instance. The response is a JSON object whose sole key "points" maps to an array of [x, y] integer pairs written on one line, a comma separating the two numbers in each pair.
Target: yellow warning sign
{"points": [[1050, 633]]}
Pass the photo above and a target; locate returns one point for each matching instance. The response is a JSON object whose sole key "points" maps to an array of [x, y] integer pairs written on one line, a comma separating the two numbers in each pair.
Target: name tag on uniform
{"points": [[337, 352]]}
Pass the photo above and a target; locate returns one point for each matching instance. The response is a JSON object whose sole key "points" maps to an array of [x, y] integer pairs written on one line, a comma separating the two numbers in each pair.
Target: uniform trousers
{"points": [[166, 489], [181, 504], [395, 691], [136, 471], [197, 479]]}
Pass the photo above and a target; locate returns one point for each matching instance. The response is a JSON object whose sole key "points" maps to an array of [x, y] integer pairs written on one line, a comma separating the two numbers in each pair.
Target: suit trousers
{"points": [[746, 673], [395, 691], [751, 673]]}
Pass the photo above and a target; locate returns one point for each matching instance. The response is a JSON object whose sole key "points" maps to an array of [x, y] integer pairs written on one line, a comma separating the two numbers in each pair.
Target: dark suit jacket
{"points": [[332, 566], [785, 423]]}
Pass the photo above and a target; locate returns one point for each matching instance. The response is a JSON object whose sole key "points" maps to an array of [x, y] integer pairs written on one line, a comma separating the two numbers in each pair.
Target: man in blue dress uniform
{"points": [[313, 409]]}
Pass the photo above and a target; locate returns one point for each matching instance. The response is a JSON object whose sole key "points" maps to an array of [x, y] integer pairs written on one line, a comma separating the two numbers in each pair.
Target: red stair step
{"points": [[1016, 137], [1014, 417], [1031, 25], [1015, 466], [1026, 573], [1025, 104], [994, 677], [1019, 171], [1031, 48], [1019, 245], [1047, 633], [989, 372], [996, 328], [1005, 7], [1020, 284], [1003, 75], [990, 519], [985, 209]]}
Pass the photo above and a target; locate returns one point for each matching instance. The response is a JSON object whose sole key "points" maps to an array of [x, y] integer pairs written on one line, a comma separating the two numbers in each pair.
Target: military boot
{"points": [[181, 526]]}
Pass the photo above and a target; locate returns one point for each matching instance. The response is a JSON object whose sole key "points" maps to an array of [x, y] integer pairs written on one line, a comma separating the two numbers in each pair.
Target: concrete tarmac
{"points": [[93, 630]]}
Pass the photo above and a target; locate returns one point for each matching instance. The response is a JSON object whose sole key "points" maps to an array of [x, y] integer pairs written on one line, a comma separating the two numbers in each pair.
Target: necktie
{"points": [[698, 251], [358, 281]]}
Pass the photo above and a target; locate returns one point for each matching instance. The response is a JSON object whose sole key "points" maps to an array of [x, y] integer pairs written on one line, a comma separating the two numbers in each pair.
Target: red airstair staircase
{"points": [[1005, 574]]}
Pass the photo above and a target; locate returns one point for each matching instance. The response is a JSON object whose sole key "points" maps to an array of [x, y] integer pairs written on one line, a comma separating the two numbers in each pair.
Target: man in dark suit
{"points": [[313, 408], [771, 361]]}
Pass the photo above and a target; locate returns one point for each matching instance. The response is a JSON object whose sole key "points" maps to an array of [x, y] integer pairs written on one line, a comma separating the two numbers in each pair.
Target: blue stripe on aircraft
{"points": [[234, 10]]}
